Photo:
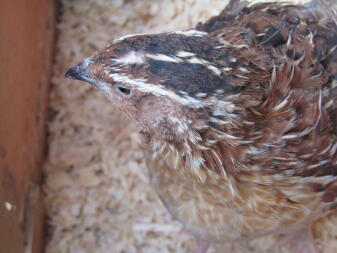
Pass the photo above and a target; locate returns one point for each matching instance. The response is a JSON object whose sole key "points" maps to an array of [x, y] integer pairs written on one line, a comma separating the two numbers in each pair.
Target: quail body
{"points": [[238, 115]]}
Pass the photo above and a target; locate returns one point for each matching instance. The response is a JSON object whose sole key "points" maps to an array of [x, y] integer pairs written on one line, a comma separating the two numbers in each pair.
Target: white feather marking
{"points": [[129, 36], [329, 104], [214, 69], [176, 161], [326, 149], [273, 75], [294, 163], [197, 163], [231, 188], [244, 70], [289, 40], [289, 136], [333, 149], [212, 141], [241, 76], [185, 54], [223, 107], [256, 168], [183, 93], [201, 95], [255, 111], [245, 142], [318, 75], [201, 147], [332, 50], [163, 57], [232, 59], [248, 122], [334, 84], [240, 46], [318, 164], [131, 58], [218, 121], [192, 33], [154, 155], [306, 156], [282, 104], [285, 158], [230, 136], [217, 157], [226, 69], [195, 60], [311, 38]]}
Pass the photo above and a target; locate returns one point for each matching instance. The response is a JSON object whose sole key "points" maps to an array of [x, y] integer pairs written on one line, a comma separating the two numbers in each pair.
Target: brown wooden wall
{"points": [[26, 44]]}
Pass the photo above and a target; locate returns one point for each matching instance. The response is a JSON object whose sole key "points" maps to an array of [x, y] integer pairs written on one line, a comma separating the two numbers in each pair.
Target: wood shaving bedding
{"points": [[98, 196]]}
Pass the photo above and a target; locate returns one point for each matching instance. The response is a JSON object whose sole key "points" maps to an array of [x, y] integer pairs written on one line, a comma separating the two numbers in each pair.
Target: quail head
{"points": [[239, 118]]}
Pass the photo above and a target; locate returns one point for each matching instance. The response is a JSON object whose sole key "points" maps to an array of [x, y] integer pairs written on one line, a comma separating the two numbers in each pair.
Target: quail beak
{"points": [[74, 72], [80, 72], [77, 73]]}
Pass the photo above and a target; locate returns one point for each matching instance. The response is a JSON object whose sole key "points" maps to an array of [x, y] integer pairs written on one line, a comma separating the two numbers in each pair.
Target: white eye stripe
{"points": [[155, 89]]}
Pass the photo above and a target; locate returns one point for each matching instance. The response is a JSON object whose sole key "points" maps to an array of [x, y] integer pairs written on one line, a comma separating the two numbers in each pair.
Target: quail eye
{"points": [[123, 90]]}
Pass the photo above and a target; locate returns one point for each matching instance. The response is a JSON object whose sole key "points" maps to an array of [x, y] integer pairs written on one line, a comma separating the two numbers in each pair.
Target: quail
{"points": [[239, 118]]}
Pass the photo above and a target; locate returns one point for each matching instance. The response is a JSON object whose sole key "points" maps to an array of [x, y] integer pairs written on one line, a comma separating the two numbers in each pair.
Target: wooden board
{"points": [[26, 43]]}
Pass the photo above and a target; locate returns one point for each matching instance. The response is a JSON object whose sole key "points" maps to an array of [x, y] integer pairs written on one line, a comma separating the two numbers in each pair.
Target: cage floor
{"points": [[98, 195]]}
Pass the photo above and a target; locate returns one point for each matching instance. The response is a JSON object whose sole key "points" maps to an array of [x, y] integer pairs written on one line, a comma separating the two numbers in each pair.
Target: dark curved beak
{"points": [[80, 72], [75, 72]]}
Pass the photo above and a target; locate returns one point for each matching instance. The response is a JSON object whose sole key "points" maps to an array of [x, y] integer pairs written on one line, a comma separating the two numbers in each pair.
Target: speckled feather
{"points": [[278, 170], [239, 117]]}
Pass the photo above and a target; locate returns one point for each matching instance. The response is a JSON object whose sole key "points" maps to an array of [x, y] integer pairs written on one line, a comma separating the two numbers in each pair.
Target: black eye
{"points": [[124, 90]]}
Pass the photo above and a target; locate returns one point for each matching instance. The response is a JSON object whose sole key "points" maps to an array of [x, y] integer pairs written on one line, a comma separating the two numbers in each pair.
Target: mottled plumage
{"points": [[239, 117]]}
